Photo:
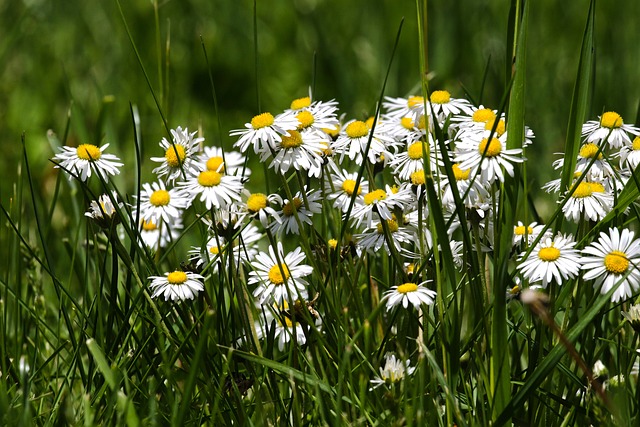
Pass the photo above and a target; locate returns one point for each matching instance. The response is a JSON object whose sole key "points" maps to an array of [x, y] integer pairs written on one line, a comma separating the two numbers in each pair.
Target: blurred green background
{"points": [[70, 56]]}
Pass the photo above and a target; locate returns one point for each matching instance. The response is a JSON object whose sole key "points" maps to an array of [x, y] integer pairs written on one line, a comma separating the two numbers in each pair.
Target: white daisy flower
{"points": [[227, 162], [160, 235], [589, 200], [286, 330], [444, 105], [85, 159], [317, 116], [180, 158], [216, 190], [612, 262], [611, 127], [393, 372], [373, 238], [527, 233], [596, 171], [279, 277], [243, 248], [353, 140], [177, 285], [411, 160], [342, 187], [103, 211], [159, 204], [404, 129], [551, 259], [412, 106], [300, 151], [476, 120], [258, 206], [473, 193], [265, 131], [381, 202], [630, 155], [489, 157], [413, 293], [302, 207]]}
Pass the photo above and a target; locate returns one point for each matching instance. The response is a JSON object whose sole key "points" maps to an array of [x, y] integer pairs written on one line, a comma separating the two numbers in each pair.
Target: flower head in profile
{"points": [[85, 159], [444, 105], [588, 200], [227, 162], [551, 260], [528, 233], [393, 372], [103, 212], [354, 140], [160, 235], [176, 285], [409, 293], [612, 262], [265, 131], [180, 160], [611, 127], [301, 208]]}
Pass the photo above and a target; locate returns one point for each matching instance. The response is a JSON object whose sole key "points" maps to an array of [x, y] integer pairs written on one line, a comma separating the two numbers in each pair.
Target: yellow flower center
{"points": [[596, 187], [636, 143], [88, 152], [357, 129], [407, 123], [294, 140], [483, 115], [414, 101], [332, 243], [148, 226], [349, 186], [300, 103], [160, 198], [369, 122], [305, 118], [492, 148], [583, 190], [616, 262], [549, 254], [417, 178], [407, 287], [175, 155], [391, 225], [589, 150], [262, 121], [374, 196], [256, 201], [332, 132], [611, 120], [459, 174], [289, 208], [275, 274], [500, 129], [209, 178], [440, 97], [421, 124], [177, 277], [215, 163], [520, 230], [415, 150], [214, 250], [410, 268]]}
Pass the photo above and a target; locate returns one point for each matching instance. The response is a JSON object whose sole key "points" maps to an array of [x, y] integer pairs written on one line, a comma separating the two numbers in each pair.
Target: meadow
{"points": [[319, 213]]}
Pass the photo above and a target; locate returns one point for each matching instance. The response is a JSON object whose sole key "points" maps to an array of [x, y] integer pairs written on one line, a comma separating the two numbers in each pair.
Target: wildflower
{"points": [[591, 162], [444, 105], [373, 238], [287, 329], [412, 106], [160, 235], [612, 263], [176, 285], [633, 316], [229, 163], [84, 158], [599, 369], [300, 151], [316, 115], [488, 157], [242, 248], [531, 232], [382, 202], [353, 141], [405, 129], [589, 199], [611, 127], [302, 207], [215, 189], [473, 192], [551, 259], [102, 211], [265, 131], [476, 119], [630, 155], [412, 159], [393, 372], [258, 205], [342, 187], [159, 204], [180, 155], [413, 293], [279, 277]]}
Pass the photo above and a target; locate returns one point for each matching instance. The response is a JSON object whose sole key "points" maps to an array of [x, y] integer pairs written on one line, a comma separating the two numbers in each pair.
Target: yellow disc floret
{"points": [[589, 151], [209, 178], [214, 250], [520, 230], [405, 288], [306, 119], [459, 174], [300, 103], [583, 190], [276, 274], [492, 148], [483, 115], [294, 140], [262, 121], [636, 143], [440, 97], [160, 198], [500, 128], [177, 277], [148, 226], [290, 207], [357, 129], [374, 196], [215, 163], [415, 150], [175, 155], [256, 202], [414, 101], [349, 187], [392, 225], [417, 178], [611, 120], [407, 123], [549, 254], [332, 243], [88, 152], [616, 262]]}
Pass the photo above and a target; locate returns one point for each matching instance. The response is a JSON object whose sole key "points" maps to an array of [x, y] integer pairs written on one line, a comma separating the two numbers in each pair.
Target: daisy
{"points": [[472, 192], [215, 189], [161, 235], [630, 155], [612, 262], [633, 316], [489, 158], [444, 105], [103, 211], [258, 206], [180, 155], [412, 159], [177, 285], [159, 204], [279, 277], [227, 162], [286, 330], [413, 293], [476, 120], [300, 208], [404, 129], [84, 158], [597, 169], [353, 141], [342, 186], [300, 151], [315, 116], [551, 259], [531, 232], [611, 127], [393, 372], [382, 202], [243, 248], [412, 106], [265, 131], [373, 238], [589, 199]]}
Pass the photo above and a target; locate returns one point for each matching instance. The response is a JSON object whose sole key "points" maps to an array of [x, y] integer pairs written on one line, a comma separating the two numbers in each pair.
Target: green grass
{"points": [[82, 341]]}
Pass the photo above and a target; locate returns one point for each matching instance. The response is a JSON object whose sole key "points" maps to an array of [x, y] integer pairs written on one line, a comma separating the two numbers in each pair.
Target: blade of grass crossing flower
{"points": [[579, 104]]}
